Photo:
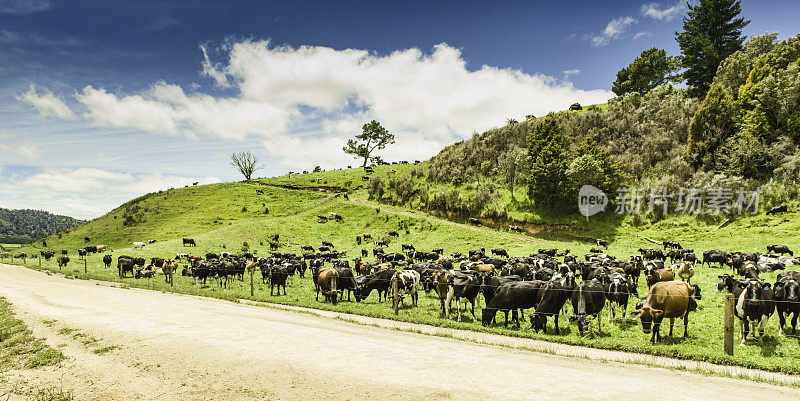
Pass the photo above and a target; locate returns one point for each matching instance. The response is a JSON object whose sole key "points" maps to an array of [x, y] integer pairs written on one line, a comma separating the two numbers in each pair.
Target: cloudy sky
{"points": [[104, 100]]}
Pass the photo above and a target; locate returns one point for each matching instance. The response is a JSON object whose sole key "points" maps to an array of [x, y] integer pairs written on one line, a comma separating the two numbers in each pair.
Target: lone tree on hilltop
{"points": [[652, 68], [246, 162], [373, 137], [712, 31]]}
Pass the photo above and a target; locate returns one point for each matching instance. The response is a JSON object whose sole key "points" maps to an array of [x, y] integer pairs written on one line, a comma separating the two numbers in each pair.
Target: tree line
{"points": [[20, 226]]}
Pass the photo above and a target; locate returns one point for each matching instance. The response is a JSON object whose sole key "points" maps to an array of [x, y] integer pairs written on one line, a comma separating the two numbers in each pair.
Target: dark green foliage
{"points": [[715, 122], [376, 188], [612, 175], [133, 214], [712, 31], [25, 225], [548, 151], [402, 187], [651, 69], [373, 137]]}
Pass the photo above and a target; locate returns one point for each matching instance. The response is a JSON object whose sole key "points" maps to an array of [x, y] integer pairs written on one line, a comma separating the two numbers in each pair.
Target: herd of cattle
{"points": [[546, 281]]}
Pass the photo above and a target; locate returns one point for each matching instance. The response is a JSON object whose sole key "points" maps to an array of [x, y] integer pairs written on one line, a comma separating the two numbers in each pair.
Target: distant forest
{"points": [[25, 225]]}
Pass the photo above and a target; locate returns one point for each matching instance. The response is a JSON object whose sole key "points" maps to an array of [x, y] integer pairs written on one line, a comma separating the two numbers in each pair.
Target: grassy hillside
{"points": [[177, 213], [213, 216]]}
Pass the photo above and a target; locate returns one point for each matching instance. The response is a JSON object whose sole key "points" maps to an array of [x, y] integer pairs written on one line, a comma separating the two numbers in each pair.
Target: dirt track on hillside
{"points": [[177, 347], [452, 223]]}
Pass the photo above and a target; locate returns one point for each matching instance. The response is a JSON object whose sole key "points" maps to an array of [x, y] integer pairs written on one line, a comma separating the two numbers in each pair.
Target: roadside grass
{"points": [[52, 393], [297, 226], [19, 349], [104, 350]]}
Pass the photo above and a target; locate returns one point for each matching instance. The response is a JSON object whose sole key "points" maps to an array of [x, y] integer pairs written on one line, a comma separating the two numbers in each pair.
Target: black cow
{"points": [[273, 246], [364, 253], [463, 287], [778, 209], [347, 281], [393, 234], [602, 242], [86, 239], [512, 296], [124, 265], [475, 221], [328, 244], [82, 252], [379, 281], [358, 240], [754, 305], [651, 254], [438, 251], [552, 297], [189, 241], [499, 252], [617, 292], [548, 252], [64, 252], [588, 299], [781, 249], [716, 256], [107, 259], [62, 261], [490, 284], [408, 247], [308, 248], [277, 278], [787, 298]]}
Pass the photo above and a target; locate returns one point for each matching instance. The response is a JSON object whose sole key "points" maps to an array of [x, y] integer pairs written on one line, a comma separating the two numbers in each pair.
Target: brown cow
{"points": [[484, 268], [668, 299], [684, 270], [363, 268], [169, 268], [328, 284], [366, 236], [441, 284], [660, 275]]}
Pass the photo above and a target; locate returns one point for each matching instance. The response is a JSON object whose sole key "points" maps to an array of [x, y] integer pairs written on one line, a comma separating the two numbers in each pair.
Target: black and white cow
{"points": [[754, 305]]}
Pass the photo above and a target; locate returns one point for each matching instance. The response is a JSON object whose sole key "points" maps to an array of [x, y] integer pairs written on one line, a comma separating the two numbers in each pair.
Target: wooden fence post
{"points": [[40, 261], [728, 323], [395, 294], [84, 266], [251, 282]]}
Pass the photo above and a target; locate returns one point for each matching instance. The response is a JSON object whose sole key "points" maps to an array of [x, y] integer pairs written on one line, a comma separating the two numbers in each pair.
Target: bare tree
{"points": [[246, 162]]}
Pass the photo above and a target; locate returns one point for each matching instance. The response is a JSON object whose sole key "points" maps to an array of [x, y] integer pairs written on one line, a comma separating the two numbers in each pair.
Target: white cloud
{"points": [[213, 71], [47, 104], [569, 73], [24, 7], [656, 11], [643, 34], [614, 30], [89, 192], [431, 99], [12, 144]]}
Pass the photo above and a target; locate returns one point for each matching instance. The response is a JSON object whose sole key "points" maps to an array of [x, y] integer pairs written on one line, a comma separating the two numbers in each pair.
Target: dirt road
{"points": [[182, 347]]}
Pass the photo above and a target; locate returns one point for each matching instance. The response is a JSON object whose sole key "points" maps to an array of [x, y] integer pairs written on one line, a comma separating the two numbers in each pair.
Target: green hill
{"points": [[226, 216]]}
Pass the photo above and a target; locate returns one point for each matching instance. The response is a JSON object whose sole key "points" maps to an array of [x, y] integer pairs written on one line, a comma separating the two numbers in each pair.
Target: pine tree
{"points": [[712, 31]]}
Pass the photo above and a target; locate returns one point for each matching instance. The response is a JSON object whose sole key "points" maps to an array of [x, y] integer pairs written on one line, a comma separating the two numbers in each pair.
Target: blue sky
{"points": [[104, 100]]}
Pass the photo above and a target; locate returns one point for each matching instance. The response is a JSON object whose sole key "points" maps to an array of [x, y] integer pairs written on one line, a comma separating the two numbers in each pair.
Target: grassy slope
{"points": [[191, 211]]}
